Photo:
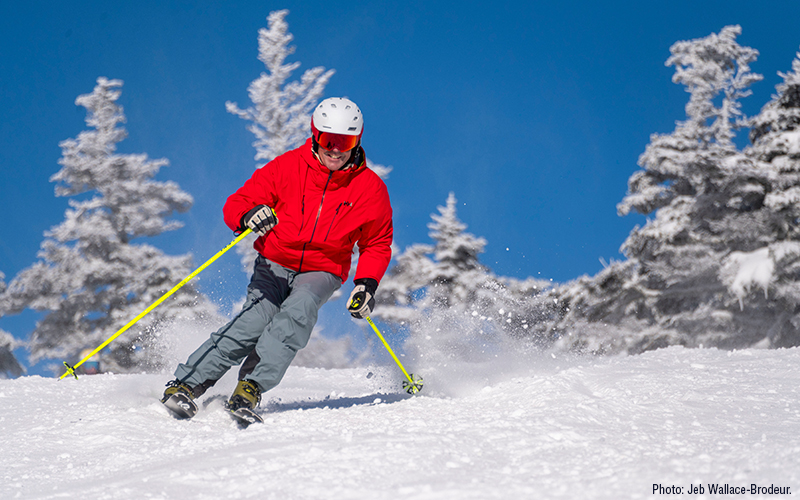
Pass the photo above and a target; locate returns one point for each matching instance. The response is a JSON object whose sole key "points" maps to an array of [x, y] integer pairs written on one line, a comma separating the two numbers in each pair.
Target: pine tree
{"points": [[281, 111], [444, 295], [691, 161], [450, 278], [9, 365], [91, 278], [708, 198], [766, 280], [775, 135], [456, 278]]}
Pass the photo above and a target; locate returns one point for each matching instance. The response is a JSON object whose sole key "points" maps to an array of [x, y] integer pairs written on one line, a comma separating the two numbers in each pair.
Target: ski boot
{"points": [[179, 398], [243, 401]]}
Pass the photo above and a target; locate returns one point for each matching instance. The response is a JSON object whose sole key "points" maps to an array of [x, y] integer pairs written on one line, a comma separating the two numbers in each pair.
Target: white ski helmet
{"points": [[337, 124]]}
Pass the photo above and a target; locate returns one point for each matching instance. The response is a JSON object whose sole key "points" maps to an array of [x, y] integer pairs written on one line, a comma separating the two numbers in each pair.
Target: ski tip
{"points": [[245, 416], [181, 406]]}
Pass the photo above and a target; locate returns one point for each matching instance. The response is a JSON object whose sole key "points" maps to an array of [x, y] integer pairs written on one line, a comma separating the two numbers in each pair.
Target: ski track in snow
{"points": [[578, 427]]}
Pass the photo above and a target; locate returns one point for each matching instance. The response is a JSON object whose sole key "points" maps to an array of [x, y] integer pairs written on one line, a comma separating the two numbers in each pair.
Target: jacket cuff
{"points": [[370, 284]]}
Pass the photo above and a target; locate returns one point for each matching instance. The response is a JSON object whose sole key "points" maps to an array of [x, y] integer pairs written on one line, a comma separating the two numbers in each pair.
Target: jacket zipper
{"points": [[335, 214], [302, 214], [314, 230]]}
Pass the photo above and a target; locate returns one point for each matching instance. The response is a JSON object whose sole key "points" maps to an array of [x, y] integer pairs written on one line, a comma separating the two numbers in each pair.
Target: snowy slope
{"points": [[560, 428]]}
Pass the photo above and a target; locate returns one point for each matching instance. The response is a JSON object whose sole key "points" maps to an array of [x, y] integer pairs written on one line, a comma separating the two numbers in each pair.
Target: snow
{"points": [[752, 268], [580, 427], [792, 142]]}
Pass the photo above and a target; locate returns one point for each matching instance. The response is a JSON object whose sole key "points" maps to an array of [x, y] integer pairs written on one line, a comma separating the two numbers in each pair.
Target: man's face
{"points": [[333, 158]]}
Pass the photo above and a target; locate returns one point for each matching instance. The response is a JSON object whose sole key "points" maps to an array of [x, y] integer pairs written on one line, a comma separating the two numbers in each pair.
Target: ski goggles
{"points": [[331, 141]]}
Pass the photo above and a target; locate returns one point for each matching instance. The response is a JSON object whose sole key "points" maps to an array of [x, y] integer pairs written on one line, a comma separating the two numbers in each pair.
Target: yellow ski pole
{"points": [[71, 369], [414, 383]]}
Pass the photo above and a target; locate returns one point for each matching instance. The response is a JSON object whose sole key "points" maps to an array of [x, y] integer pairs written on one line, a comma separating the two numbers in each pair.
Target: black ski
{"points": [[181, 405], [246, 416]]}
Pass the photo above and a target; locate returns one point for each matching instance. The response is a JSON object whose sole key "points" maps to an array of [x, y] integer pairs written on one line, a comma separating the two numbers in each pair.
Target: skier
{"points": [[309, 206], [91, 366]]}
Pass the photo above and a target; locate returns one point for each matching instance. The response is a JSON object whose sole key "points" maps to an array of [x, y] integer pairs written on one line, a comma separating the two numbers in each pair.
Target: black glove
{"points": [[362, 300], [260, 219]]}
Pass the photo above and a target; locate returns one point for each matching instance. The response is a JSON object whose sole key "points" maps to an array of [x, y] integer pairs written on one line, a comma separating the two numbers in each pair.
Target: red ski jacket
{"points": [[321, 215]]}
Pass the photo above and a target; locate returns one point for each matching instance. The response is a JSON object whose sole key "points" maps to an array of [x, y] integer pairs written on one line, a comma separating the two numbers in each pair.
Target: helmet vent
{"points": [[351, 128]]}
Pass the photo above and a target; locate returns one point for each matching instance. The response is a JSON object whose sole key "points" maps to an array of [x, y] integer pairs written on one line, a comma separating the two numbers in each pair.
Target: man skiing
{"points": [[309, 206]]}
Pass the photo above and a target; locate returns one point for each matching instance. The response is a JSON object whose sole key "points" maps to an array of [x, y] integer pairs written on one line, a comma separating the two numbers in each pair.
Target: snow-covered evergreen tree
{"points": [[703, 270], [92, 278], [775, 137], [694, 160], [457, 277], [444, 295], [9, 365], [450, 278], [281, 111], [766, 279]]}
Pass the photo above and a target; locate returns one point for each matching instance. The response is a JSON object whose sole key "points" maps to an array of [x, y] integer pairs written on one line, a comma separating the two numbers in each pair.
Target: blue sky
{"points": [[533, 113]]}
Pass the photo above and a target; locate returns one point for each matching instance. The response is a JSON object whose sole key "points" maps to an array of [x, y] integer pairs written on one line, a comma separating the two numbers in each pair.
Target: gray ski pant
{"points": [[274, 323]]}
